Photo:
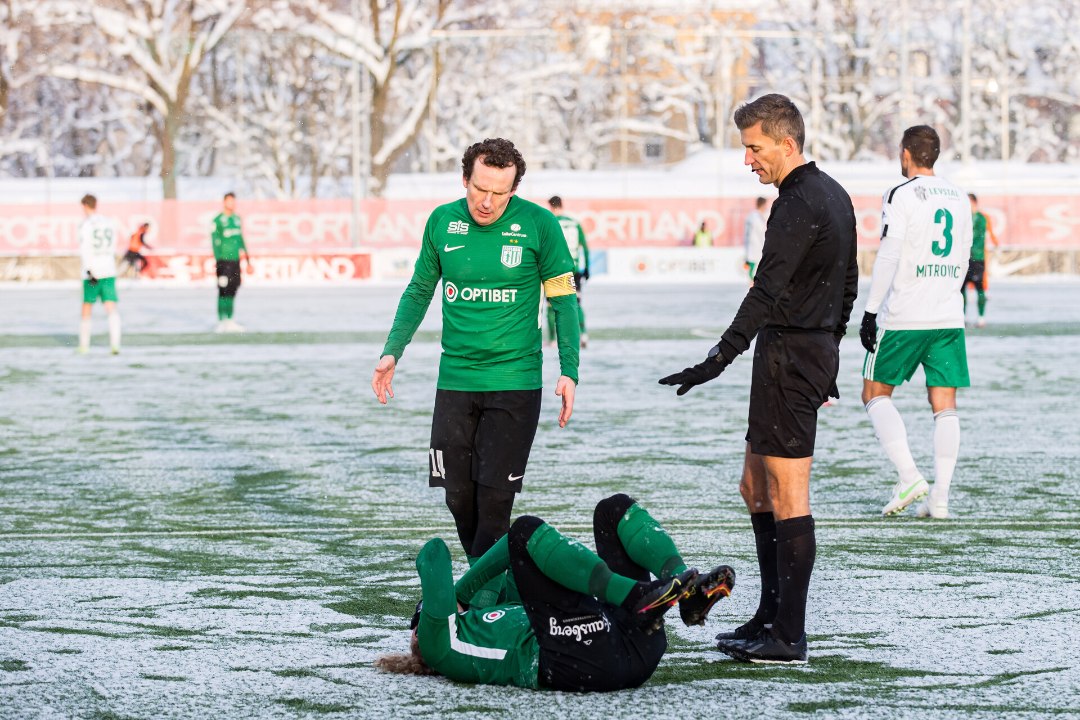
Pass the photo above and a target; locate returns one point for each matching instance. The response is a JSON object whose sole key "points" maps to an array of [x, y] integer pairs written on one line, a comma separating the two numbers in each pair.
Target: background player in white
{"points": [[920, 267], [97, 250], [754, 236]]}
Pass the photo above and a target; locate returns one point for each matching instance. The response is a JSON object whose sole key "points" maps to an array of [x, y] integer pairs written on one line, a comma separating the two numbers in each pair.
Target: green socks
{"points": [[225, 307], [648, 544], [482, 585], [575, 566]]}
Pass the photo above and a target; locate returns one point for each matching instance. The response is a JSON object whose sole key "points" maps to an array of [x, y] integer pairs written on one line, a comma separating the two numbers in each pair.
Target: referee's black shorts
{"points": [[793, 372], [482, 437], [228, 277]]}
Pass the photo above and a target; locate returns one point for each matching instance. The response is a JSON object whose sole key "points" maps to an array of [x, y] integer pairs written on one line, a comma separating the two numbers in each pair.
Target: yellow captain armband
{"points": [[560, 285]]}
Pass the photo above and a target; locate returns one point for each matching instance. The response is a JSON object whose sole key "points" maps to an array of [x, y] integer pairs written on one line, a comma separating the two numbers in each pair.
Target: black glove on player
{"points": [[91, 278], [868, 331]]}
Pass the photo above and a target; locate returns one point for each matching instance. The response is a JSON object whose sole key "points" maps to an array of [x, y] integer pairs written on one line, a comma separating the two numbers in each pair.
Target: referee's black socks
{"points": [[765, 540], [796, 548]]}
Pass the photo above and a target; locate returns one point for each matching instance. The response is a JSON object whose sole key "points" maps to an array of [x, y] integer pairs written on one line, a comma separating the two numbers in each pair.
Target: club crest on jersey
{"points": [[494, 615], [511, 255], [458, 227]]}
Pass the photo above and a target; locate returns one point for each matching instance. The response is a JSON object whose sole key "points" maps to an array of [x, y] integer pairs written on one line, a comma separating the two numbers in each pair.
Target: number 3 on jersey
{"points": [[943, 217]]}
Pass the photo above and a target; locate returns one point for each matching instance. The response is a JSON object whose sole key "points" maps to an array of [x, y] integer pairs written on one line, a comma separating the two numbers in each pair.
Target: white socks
{"points": [[891, 432], [84, 335], [114, 331], [946, 450]]}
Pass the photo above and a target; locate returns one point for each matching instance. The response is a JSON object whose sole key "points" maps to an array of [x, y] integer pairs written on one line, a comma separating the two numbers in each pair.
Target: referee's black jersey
{"points": [[809, 273]]}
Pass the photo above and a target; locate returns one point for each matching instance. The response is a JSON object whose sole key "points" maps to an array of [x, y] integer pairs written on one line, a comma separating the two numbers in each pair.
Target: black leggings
{"points": [[586, 645], [482, 515]]}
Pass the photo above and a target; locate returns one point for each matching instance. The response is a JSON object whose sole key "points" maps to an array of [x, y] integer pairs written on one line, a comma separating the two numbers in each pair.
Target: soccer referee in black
{"points": [[798, 308]]}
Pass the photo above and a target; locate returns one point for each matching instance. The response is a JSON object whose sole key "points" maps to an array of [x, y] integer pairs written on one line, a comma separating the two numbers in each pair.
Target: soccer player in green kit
{"points": [[228, 241], [493, 251], [579, 251], [976, 273], [587, 622]]}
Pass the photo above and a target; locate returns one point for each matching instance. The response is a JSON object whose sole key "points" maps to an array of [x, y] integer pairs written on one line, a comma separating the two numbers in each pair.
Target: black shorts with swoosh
{"points": [[482, 437]]}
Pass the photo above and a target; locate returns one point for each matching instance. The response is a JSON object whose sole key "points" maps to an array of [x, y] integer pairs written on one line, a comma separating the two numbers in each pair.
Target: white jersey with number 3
{"points": [[97, 246], [926, 229]]}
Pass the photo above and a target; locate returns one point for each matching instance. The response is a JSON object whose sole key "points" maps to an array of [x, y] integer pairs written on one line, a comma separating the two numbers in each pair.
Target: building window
{"points": [[654, 149]]}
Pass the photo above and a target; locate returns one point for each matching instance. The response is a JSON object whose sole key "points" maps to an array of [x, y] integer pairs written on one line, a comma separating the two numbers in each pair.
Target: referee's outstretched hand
{"points": [[384, 374], [703, 372], [868, 331]]}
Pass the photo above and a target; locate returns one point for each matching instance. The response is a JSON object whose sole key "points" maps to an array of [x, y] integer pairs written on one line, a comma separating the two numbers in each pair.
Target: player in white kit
{"points": [[915, 289], [97, 250]]}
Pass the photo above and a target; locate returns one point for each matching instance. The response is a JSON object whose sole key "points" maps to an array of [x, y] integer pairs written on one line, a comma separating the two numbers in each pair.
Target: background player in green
{"points": [[587, 621], [97, 252], [493, 251], [579, 252], [228, 241], [976, 274]]}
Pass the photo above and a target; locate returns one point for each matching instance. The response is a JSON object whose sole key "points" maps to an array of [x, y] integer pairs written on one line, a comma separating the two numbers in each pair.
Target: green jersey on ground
{"points": [[491, 646], [978, 236], [492, 278], [227, 237]]}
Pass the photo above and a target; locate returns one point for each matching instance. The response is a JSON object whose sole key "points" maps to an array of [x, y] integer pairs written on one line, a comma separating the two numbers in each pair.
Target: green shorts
{"points": [[942, 353], [751, 268], [104, 289]]}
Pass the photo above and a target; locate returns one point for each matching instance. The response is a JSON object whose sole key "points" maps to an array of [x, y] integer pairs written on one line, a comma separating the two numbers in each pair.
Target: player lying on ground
{"points": [[586, 622]]}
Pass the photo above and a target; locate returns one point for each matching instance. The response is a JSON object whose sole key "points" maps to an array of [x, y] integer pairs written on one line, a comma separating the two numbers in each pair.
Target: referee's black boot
{"points": [[747, 630], [767, 648], [649, 601], [704, 592]]}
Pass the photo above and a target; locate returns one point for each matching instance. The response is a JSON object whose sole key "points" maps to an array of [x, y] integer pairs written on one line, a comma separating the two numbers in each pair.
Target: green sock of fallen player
{"points": [[228, 303], [436, 580], [481, 585], [221, 308], [648, 544], [575, 566]]}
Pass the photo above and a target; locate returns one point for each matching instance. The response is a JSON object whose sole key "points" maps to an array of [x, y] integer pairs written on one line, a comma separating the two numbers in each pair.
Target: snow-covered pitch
{"points": [[225, 526]]}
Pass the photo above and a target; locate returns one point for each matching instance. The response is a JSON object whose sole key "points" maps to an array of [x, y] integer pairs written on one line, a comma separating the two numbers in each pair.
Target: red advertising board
{"points": [[275, 268], [323, 227]]}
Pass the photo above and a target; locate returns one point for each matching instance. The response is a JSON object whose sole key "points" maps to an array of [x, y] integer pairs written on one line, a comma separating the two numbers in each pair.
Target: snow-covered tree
{"points": [[151, 49]]}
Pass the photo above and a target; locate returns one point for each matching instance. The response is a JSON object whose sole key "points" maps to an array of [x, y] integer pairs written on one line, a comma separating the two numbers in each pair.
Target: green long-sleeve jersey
{"points": [[492, 278], [227, 237], [978, 236], [575, 241], [492, 646]]}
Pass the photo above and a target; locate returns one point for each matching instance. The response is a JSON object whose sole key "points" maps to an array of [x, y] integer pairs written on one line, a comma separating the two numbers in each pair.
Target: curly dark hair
{"points": [[778, 116], [495, 153]]}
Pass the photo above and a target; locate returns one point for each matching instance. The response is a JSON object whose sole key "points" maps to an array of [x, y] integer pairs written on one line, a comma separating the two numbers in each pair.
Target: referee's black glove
{"points": [[868, 331], [91, 278], [703, 372]]}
